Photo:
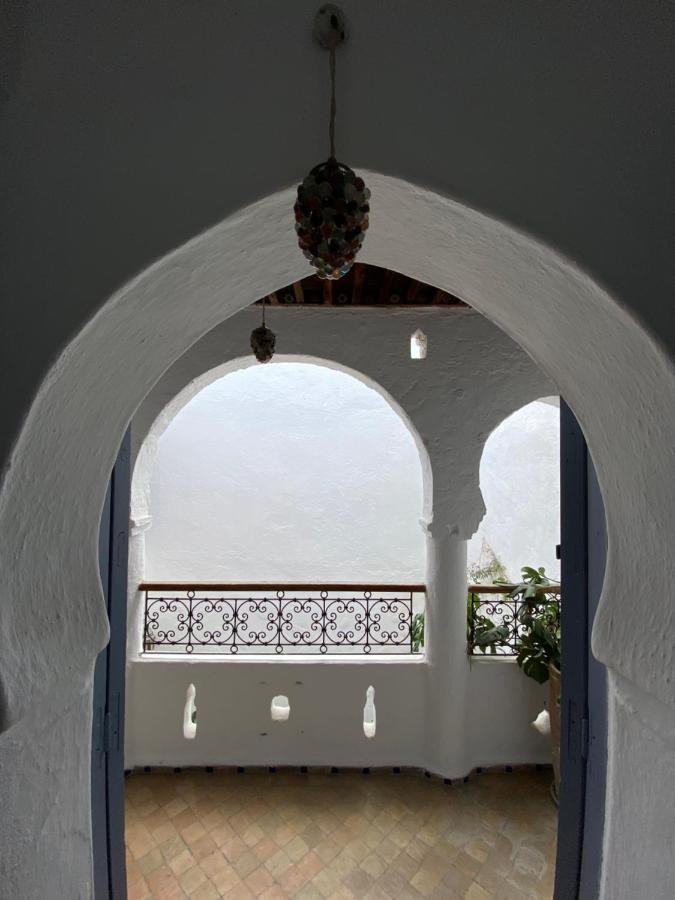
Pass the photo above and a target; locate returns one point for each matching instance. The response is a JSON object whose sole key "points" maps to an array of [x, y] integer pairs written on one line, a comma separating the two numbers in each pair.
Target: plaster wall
{"points": [[326, 722], [473, 378], [286, 472], [280, 473], [505, 700], [421, 421], [68, 396], [122, 140], [520, 483]]}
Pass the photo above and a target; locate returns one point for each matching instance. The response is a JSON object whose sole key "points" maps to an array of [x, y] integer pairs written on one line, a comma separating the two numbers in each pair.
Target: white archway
{"points": [[52, 619], [145, 445], [453, 401], [144, 454], [520, 484]]}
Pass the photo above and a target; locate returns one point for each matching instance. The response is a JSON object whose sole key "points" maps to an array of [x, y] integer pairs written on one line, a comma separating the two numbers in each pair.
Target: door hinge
{"points": [[558, 551]]}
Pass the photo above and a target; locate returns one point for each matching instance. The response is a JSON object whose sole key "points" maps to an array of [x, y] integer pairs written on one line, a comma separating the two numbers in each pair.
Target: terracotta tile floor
{"points": [[333, 837]]}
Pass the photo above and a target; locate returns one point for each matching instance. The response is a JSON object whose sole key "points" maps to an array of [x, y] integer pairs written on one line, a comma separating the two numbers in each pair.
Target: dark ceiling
{"points": [[364, 285]]}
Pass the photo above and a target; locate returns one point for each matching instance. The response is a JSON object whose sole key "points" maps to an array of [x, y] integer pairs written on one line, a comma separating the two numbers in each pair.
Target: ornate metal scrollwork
{"points": [[320, 621]]}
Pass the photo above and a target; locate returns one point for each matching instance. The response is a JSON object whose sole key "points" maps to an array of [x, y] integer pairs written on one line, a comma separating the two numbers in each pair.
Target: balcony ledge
{"points": [[304, 659]]}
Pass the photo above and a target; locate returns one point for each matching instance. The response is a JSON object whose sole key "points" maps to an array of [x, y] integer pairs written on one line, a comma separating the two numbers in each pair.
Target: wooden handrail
{"points": [[276, 586], [507, 588], [346, 586]]}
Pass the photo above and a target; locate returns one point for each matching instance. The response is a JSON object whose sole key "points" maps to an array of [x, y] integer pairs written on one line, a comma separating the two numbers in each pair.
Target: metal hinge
{"points": [[558, 551]]}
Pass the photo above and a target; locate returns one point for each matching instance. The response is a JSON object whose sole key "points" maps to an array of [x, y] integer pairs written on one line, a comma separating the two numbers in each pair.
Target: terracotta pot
{"points": [[554, 713]]}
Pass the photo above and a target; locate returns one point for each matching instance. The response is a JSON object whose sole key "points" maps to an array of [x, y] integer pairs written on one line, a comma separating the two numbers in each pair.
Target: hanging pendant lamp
{"points": [[263, 340], [331, 212]]}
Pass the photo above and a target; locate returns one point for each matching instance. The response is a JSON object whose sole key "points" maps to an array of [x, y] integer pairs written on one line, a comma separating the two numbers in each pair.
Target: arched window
{"points": [[520, 483], [290, 473]]}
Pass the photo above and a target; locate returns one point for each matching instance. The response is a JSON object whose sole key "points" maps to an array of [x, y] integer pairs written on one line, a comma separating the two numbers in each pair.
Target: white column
{"points": [[446, 734]]}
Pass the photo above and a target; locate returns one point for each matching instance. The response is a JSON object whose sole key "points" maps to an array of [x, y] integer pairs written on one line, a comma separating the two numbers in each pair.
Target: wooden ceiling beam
{"points": [[359, 275], [350, 291], [385, 289], [443, 298]]}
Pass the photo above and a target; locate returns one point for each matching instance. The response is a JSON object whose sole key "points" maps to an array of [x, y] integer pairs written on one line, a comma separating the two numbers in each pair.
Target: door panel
{"points": [[99, 804], [107, 781], [574, 656], [583, 700], [596, 762]]}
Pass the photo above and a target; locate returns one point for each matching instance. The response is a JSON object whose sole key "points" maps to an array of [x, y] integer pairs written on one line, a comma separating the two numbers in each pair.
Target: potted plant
{"points": [[417, 632], [539, 646], [481, 632]]}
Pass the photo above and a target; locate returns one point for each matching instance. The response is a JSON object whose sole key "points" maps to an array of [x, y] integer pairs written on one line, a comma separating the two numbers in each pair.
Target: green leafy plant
{"points": [[531, 585], [481, 632], [539, 616], [417, 632], [538, 642]]}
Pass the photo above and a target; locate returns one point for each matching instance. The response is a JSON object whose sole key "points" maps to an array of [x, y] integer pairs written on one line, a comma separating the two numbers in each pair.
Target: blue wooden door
{"points": [[107, 769], [583, 679]]}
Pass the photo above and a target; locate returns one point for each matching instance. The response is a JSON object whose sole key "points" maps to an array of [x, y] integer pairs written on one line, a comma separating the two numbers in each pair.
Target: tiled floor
{"points": [[335, 837]]}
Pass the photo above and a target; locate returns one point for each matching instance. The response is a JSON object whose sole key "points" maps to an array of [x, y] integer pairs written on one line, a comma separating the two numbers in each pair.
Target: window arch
{"points": [[520, 483], [292, 471], [280, 482]]}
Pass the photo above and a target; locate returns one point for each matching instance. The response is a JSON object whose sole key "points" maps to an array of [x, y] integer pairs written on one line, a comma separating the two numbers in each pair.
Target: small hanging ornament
{"points": [[263, 340], [331, 212]]}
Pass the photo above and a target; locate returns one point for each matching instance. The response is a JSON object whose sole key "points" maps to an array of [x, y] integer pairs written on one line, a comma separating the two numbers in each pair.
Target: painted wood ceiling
{"points": [[364, 285]]}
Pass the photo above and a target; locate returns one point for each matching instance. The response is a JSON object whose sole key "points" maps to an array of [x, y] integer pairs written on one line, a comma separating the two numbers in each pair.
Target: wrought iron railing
{"points": [[206, 618], [494, 623]]}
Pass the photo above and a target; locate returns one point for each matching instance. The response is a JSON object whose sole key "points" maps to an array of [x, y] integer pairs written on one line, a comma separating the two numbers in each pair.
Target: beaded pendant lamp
{"points": [[331, 212], [263, 340]]}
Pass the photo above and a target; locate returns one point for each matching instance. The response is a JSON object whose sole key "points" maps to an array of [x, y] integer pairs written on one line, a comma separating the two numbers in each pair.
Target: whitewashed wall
{"points": [[295, 471], [326, 723], [419, 428], [520, 483], [123, 142], [288, 472]]}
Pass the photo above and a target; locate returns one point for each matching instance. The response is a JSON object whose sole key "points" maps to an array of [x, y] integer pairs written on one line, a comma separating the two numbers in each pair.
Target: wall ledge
{"points": [[493, 660], [296, 659]]}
